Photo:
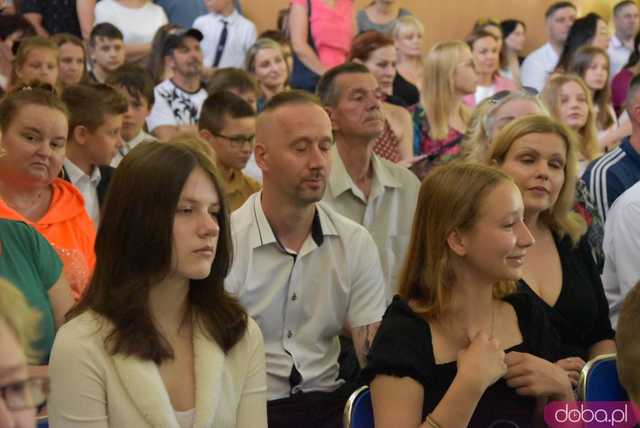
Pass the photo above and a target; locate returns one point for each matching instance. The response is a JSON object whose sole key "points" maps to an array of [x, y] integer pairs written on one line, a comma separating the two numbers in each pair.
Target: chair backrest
{"points": [[599, 381], [358, 412], [43, 422]]}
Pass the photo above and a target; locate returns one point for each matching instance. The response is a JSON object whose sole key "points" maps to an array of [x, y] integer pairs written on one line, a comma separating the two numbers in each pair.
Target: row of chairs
{"points": [[598, 382]]}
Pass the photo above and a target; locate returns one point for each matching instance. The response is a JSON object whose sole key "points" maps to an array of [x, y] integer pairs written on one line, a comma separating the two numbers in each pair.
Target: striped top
{"points": [[610, 175]]}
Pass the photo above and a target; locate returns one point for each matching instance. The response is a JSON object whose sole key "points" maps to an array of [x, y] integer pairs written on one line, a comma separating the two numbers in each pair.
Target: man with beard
{"points": [[178, 100], [303, 272], [369, 190]]}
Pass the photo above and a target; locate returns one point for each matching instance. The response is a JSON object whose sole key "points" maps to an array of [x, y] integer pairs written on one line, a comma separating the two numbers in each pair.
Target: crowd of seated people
{"points": [[206, 226]]}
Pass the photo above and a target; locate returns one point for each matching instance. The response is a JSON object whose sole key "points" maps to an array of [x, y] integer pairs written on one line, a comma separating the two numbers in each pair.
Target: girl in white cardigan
{"points": [[156, 341]]}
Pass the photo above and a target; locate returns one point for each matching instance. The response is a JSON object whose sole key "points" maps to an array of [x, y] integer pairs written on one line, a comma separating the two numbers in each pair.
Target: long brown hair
{"points": [[450, 198], [580, 63], [134, 246]]}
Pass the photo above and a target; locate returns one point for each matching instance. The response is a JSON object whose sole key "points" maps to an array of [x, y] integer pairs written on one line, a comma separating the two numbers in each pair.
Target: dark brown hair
{"points": [[231, 79], [88, 104], [580, 63], [136, 80], [134, 246], [220, 105]]}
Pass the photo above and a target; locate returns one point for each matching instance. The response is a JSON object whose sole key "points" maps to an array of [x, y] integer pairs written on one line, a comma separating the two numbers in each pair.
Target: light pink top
{"points": [[332, 29], [500, 83]]}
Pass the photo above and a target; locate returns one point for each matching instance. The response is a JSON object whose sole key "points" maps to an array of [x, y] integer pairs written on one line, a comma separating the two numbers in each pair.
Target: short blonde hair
{"points": [[561, 217], [439, 86], [406, 23], [22, 320], [628, 360], [588, 141], [450, 198], [481, 126]]}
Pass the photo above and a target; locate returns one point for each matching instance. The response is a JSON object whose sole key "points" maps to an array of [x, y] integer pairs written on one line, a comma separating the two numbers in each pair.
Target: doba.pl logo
{"points": [[592, 414]]}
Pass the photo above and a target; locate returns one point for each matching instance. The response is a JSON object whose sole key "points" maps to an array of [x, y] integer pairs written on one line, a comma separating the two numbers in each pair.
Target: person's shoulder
{"points": [[350, 231], [403, 175], [242, 219], [88, 326], [537, 54], [202, 20]]}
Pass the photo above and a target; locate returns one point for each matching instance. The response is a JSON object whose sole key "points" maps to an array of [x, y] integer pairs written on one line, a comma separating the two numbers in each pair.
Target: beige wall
{"points": [[450, 19]]}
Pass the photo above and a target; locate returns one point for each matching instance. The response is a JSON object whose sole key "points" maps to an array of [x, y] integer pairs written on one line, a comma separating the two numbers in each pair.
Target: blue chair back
{"points": [[43, 422], [599, 381], [358, 412]]}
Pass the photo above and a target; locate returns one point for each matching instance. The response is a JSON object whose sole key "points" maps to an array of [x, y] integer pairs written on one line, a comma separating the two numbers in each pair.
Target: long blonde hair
{"points": [[561, 217], [588, 141], [450, 198], [439, 88]]}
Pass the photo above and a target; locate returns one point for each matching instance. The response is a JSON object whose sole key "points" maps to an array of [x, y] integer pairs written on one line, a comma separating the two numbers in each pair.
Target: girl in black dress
{"points": [[458, 347]]}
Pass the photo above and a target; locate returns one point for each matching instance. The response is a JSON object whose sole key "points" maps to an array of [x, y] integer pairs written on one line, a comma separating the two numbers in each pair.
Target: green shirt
{"points": [[29, 262]]}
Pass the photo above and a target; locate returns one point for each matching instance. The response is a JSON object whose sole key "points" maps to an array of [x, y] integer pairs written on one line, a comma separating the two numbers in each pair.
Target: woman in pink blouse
{"points": [[331, 23]]}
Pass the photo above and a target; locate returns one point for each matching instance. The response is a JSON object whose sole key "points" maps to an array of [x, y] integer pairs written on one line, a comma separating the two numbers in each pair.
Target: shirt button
{"points": [[289, 334], [294, 297]]}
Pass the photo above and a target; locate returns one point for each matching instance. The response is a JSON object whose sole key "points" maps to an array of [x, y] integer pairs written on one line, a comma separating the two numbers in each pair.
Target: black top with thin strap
{"points": [[403, 347], [581, 313]]}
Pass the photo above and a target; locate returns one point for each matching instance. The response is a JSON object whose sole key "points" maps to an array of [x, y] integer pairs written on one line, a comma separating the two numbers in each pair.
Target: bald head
{"points": [[293, 145]]}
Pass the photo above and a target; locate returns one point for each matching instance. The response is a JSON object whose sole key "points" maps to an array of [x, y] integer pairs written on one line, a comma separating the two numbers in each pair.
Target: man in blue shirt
{"points": [[610, 175]]}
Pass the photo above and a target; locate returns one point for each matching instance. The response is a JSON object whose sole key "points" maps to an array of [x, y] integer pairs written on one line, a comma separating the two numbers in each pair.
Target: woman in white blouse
{"points": [[156, 341], [137, 19]]}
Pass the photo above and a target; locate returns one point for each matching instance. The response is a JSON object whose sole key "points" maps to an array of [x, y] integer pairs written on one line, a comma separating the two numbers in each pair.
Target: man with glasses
{"points": [[228, 124], [21, 396]]}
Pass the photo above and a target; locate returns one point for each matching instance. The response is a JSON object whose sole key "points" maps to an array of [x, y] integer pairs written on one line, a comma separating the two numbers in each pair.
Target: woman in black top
{"points": [[457, 348], [559, 271]]}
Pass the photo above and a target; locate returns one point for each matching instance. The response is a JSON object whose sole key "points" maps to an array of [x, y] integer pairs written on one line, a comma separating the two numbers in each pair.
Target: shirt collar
{"points": [[230, 19], [340, 181], [263, 235], [616, 42], [76, 174]]}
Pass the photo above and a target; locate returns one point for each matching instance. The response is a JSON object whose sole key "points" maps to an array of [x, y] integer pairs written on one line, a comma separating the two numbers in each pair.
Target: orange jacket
{"points": [[69, 229]]}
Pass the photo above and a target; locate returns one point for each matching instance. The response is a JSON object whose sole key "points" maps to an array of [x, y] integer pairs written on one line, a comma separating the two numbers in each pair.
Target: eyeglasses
{"points": [[26, 394], [238, 141]]}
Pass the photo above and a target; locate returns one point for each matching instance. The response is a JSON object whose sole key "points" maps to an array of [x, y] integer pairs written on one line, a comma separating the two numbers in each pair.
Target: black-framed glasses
{"points": [[237, 141], [26, 394]]}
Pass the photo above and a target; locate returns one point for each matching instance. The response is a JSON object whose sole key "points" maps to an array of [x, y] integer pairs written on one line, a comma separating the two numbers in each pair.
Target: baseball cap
{"points": [[176, 36]]}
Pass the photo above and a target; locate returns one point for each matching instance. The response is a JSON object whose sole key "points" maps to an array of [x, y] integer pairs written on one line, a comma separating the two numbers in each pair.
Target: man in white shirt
{"points": [[369, 190], [621, 248], [303, 272], [178, 100], [626, 20], [540, 63], [227, 35]]}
